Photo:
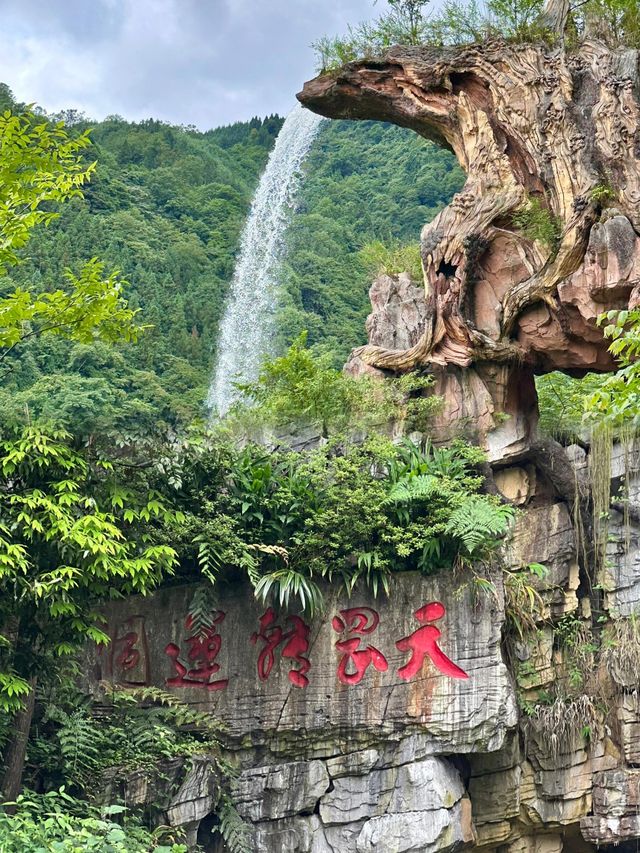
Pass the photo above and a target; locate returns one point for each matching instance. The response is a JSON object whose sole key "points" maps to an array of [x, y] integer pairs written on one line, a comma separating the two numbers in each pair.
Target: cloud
{"points": [[202, 62]]}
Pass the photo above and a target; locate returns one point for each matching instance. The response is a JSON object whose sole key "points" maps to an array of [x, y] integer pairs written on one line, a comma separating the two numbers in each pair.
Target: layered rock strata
{"points": [[536, 750]]}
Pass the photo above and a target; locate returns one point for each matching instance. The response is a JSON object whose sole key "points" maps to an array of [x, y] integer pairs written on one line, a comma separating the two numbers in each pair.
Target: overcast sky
{"points": [[202, 62]]}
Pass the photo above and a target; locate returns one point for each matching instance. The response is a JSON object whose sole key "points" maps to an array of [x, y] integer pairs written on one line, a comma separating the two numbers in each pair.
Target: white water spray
{"points": [[246, 330]]}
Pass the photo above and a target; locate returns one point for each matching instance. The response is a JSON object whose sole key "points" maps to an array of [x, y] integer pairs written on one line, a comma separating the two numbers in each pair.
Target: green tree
{"points": [[299, 387], [171, 220], [68, 539], [91, 308], [40, 165], [616, 399], [406, 20], [63, 546]]}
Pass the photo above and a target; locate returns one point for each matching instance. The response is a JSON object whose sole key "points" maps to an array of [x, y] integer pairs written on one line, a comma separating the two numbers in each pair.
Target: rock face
{"points": [[263, 697], [359, 758], [543, 238], [528, 125], [399, 312], [339, 748]]}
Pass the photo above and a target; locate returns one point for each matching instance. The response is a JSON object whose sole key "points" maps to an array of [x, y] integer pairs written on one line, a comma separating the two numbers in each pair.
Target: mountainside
{"points": [[365, 181], [166, 207]]}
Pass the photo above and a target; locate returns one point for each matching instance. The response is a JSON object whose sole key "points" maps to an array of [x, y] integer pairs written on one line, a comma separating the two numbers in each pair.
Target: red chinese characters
{"points": [[424, 643], [355, 661], [128, 656], [203, 651], [129, 652], [296, 644]]}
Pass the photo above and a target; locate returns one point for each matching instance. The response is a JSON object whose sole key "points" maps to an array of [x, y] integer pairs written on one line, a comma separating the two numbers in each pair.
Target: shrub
{"points": [[538, 224], [301, 388], [457, 22], [347, 513], [405, 23], [391, 259], [59, 823]]}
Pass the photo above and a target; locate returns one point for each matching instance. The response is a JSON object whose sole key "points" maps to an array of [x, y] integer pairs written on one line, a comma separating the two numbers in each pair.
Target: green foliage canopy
{"points": [[344, 512], [366, 184], [166, 205], [616, 399], [41, 164], [63, 548]]}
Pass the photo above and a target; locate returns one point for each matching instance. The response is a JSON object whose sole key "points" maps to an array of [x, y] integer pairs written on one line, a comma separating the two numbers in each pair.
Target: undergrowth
{"points": [[621, 649], [81, 748], [345, 513], [538, 224], [392, 258], [563, 724]]}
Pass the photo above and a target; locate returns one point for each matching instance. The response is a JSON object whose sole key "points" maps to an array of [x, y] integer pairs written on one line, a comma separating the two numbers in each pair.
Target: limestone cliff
{"points": [[489, 710], [429, 721]]}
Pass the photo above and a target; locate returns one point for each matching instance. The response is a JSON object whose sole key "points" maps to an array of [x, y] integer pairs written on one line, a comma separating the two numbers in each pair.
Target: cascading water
{"points": [[246, 329]]}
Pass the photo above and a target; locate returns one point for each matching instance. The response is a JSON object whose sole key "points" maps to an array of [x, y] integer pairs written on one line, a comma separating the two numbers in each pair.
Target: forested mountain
{"points": [[365, 181], [166, 207]]}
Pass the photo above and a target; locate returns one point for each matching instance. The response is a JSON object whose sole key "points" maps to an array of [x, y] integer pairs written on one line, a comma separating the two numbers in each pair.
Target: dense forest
{"points": [[365, 181], [166, 207]]}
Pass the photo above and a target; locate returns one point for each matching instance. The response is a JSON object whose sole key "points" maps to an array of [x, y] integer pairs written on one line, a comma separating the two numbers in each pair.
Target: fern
{"points": [[80, 742], [182, 715], [202, 608], [286, 584], [409, 489], [251, 566], [234, 830], [208, 559], [479, 523]]}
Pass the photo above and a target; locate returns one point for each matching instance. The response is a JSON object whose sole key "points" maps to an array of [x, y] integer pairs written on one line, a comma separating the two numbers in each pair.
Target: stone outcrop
{"points": [[536, 751], [526, 124], [543, 134], [399, 312]]}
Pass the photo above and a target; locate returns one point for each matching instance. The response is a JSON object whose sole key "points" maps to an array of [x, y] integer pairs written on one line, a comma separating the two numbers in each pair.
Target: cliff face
{"points": [[424, 722], [463, 712], [544, 235]]}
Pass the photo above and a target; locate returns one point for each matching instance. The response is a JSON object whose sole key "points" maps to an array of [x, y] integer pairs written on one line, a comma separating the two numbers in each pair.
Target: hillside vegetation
{"points": [[166, 207]]}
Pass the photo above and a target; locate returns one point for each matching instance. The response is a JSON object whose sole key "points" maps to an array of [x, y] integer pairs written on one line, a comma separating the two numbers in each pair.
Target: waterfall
{"points": [[246, 330]]}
